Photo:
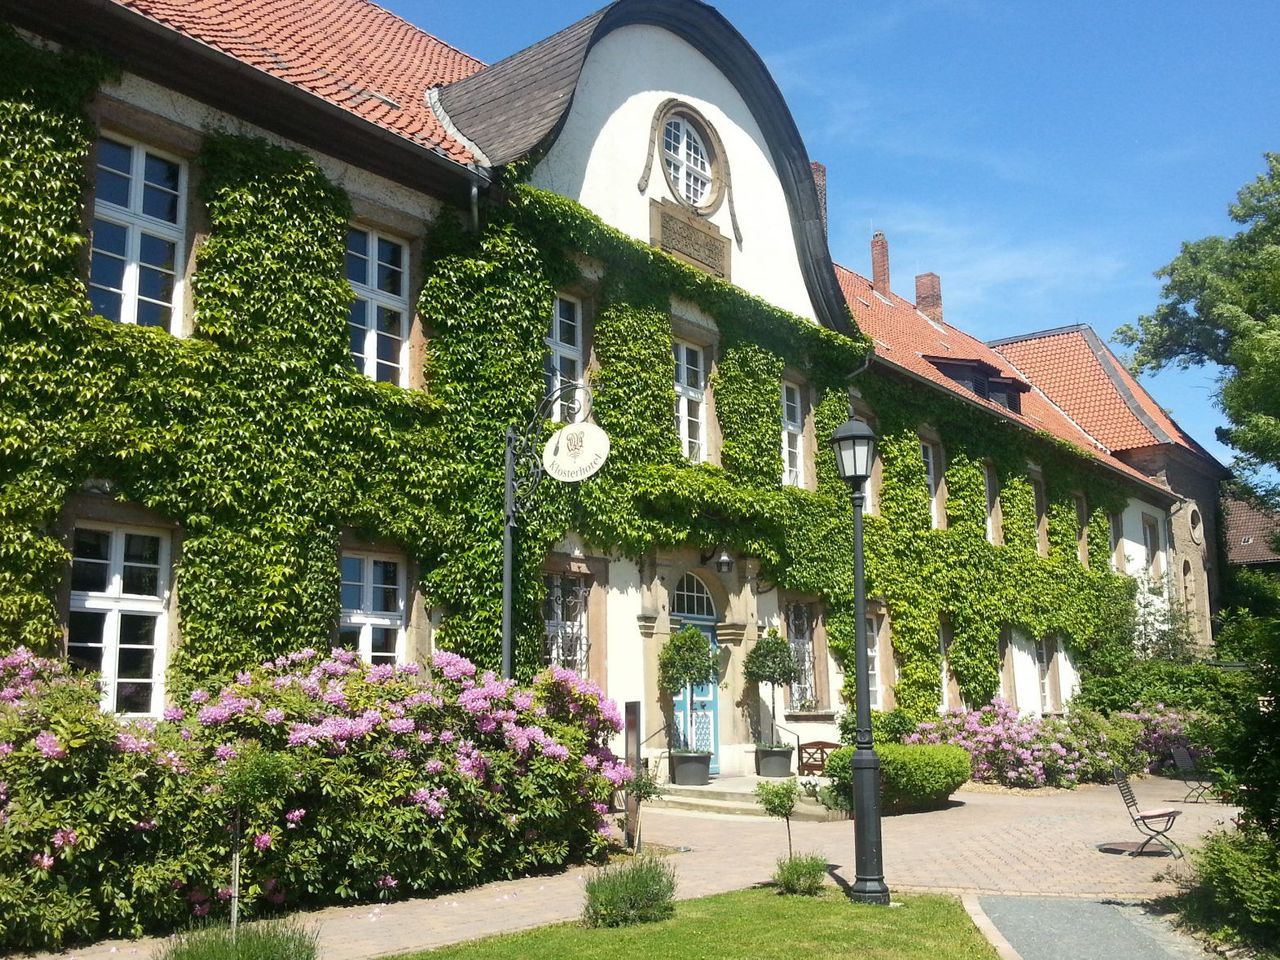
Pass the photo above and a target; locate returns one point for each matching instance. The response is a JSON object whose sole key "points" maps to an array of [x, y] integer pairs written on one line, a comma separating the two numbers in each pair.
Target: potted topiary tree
{"points": [[684, 662], [771, 661]]}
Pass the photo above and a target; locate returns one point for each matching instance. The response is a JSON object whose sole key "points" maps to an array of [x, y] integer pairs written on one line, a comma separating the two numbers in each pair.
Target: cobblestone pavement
{"points": [[987, 843]]}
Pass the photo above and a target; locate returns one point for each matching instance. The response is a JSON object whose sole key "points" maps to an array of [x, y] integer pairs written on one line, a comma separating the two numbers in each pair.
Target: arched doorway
{"points": [[697, 709]]}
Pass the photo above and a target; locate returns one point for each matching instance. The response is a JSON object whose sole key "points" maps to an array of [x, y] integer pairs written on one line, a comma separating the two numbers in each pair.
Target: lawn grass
{"points": [[755, 925]]}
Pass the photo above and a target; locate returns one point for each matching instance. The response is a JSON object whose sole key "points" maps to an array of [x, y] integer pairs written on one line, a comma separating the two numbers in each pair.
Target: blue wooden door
{"points": [[697, 708]]}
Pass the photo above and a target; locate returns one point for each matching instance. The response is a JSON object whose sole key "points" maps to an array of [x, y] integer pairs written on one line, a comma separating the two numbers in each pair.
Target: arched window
{"points": [[687, 158], [692, 599]]}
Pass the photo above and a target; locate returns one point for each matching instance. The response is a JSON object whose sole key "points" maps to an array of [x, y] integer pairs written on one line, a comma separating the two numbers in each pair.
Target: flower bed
{"points": [[1030, 751], [343, 782]]}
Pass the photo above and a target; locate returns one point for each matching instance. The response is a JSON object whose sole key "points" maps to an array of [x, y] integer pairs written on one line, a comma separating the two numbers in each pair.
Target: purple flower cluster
{"points": [[1162, 729], [1006, 748], [50, 746]]}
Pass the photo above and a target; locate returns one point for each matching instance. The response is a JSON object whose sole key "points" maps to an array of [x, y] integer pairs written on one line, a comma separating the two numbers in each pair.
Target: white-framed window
{"points": [[1046, 649], [565, 358], [874, 624], [687, 159], [373, 606], [931, 454], [1116, 521], [1152, 546], [378, 318], [792, 435], [139, 207], [117, 624], [564, 621], [691, 399], [799, 624], [1041, 499], [1082, 528], [991, 481]]}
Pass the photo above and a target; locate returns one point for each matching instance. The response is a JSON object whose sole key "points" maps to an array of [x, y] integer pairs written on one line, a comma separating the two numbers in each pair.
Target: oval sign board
{"points": [[575, 452]]}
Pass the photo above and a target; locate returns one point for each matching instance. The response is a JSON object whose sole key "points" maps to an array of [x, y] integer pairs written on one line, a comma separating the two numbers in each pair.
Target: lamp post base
{"points": [[870, 891], [869, 885]]}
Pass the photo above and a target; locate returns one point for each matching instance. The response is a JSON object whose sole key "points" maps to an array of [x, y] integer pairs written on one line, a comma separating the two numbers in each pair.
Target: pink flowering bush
{"points": [[1032, 751], [1163, 728], [346, 782]]}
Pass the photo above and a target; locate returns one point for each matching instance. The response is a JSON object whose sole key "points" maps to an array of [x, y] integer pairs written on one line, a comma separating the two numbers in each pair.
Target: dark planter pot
{"points": [[690, 769], [773, 761]]}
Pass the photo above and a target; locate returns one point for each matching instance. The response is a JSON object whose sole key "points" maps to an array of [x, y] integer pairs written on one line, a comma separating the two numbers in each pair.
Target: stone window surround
{"points": [[938, 494], [995, 511], [702, 334], [1040, 497], [821, 658]]}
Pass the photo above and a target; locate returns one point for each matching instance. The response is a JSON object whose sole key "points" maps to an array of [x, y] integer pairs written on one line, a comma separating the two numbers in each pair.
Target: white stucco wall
{"points": [[625, 671], [600, 155]]}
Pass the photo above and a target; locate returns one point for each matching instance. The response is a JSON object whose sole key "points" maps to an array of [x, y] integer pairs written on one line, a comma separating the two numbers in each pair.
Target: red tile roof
{"points": [[352, 53], [903, 337], [1251, 533], [1081, 375]]}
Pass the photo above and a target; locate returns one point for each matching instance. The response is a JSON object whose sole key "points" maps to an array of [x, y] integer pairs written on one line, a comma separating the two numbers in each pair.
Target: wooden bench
{"points": [[813, 757]]}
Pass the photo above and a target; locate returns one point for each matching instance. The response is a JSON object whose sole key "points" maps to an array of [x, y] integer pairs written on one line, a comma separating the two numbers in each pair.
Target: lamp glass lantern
{"points": [[854, 443]]}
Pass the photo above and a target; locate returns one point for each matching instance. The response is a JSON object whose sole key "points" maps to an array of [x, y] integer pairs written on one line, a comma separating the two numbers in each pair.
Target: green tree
{"points": [[1221, 305], [771, 661]]}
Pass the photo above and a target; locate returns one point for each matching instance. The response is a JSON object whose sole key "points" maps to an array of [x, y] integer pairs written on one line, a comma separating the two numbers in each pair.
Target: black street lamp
{"points": [[854, 443]]}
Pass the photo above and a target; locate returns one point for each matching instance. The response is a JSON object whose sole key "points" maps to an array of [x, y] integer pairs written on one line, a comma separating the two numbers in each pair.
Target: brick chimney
{"points": [[929, 296], [820, 181], [880, 263]]}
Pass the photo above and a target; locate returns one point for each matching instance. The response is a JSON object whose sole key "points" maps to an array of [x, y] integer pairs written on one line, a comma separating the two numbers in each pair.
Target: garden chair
{"points": [[1154, 824], [813, 757], [1198, 784]]}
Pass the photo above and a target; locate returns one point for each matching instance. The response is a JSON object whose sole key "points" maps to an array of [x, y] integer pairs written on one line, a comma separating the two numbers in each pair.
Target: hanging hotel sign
{"points": [[575, 452]]}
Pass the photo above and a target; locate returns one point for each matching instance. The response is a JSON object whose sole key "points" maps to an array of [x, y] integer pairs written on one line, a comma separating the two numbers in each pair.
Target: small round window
{"points": [[687, 159], [1197, 526]]}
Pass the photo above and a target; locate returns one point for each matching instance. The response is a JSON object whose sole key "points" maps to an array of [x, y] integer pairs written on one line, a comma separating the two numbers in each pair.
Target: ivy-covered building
{"points": [[277, 275]]}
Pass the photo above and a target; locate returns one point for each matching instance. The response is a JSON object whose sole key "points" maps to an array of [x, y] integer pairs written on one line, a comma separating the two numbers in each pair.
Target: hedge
{"points": [[912, 777]]}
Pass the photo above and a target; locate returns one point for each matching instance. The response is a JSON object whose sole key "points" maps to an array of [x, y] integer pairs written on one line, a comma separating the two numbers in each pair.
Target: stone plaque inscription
{"points": [[686, 235]]}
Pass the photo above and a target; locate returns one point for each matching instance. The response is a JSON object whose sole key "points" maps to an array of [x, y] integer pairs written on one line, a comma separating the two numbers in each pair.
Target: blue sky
{"points": [[1043, 158]]}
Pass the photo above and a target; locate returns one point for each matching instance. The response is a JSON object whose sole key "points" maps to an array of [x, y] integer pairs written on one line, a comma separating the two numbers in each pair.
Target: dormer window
{"points": [[982, 379]]}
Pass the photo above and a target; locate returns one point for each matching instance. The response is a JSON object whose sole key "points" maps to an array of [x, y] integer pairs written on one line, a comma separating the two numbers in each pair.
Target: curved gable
{"points": [[595, 80]]}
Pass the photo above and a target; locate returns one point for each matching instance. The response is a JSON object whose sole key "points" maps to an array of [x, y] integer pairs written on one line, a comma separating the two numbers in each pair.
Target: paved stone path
{"points": [[1040, 928], [985, 843]]}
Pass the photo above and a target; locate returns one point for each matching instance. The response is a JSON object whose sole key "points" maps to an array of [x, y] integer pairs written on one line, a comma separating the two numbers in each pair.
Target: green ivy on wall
{"points": [[258, 439]]}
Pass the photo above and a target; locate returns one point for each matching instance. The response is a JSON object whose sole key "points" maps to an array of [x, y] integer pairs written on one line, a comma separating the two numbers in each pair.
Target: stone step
{"points": [[700, 800]]}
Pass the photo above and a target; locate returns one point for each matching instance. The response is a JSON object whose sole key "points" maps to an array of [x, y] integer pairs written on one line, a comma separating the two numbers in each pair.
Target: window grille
{"points": [[378, 318]]}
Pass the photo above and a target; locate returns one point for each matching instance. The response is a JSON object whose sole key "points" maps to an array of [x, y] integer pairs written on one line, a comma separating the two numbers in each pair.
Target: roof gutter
{"points": [[1165, 495], [160, 53]]}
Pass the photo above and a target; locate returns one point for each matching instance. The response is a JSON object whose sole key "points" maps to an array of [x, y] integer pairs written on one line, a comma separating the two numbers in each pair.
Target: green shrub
{"points": [[886, 727], [255, 941], [1198, 687], [801, 876], [686, 660], [635, 892], [116, 828], [913, 777], [1237, 887]]}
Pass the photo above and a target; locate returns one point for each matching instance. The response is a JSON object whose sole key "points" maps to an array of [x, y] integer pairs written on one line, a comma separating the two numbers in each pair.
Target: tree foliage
{"points": [[1221, 305]]}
